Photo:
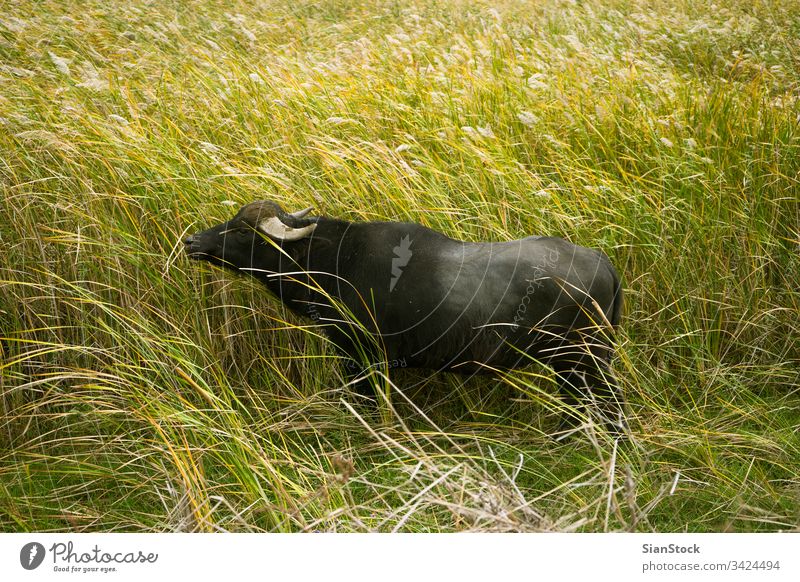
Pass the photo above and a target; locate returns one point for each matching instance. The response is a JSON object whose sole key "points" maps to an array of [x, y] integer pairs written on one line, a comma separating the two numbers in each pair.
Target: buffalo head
{"points": [[247, 241]]}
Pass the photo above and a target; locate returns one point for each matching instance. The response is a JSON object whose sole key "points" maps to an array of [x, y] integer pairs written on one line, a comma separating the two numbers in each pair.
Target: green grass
{"points": [[142, 392]]}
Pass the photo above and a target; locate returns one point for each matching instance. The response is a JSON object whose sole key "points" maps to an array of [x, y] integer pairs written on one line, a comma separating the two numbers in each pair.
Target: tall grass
{"points": [[141, 392]]}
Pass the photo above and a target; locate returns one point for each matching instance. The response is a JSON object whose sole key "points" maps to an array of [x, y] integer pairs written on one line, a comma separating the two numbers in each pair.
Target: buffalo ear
{"points": [[274, 228], [301, 213]]}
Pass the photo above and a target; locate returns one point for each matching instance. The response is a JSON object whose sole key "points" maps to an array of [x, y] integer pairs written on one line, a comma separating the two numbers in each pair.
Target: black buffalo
{"points": [[401, 292]]}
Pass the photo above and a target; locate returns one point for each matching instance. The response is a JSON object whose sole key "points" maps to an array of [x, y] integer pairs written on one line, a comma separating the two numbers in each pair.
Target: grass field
{"points": [[144, 392]]}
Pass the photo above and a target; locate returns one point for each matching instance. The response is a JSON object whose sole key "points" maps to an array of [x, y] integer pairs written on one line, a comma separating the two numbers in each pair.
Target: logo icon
{"points": [[31, 555], [402, 254]]}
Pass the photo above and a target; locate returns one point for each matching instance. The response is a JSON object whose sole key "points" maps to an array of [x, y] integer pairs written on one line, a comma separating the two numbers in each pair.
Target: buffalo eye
{"points": [[249, 234]]}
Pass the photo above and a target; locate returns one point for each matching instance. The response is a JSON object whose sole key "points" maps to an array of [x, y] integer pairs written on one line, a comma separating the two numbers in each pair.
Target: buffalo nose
{"points": [[188, 240]]}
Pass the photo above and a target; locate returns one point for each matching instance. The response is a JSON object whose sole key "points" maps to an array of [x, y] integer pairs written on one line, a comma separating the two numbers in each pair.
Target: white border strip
{"points": [[407, 557]]}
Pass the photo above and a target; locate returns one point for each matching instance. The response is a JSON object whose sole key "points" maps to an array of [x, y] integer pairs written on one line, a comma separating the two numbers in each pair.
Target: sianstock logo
{"points": [[31, 555]]}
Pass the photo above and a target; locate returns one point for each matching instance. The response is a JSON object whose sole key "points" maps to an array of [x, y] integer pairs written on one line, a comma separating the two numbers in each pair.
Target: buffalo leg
{"points": [[357, 376], [590, 388]]}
